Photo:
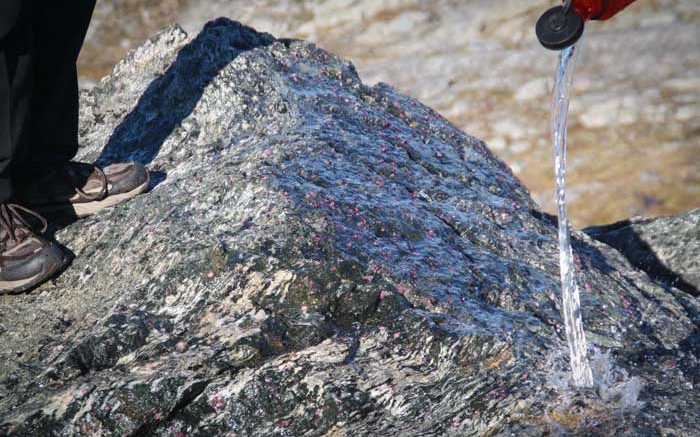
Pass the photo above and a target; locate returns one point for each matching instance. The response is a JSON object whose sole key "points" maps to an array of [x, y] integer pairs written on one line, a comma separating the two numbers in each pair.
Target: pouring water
{"points": [[571, 305], [561, 28]]}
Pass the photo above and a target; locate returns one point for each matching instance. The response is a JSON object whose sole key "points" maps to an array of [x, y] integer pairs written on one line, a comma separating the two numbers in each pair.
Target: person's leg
{"points": [[43, 176], [59, 28], [6, 146], [16, 81], [26, 258], [9, 14]]}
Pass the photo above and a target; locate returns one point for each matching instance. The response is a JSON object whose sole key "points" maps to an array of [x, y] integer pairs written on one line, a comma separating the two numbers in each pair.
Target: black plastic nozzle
{"points": [[559, 27]]}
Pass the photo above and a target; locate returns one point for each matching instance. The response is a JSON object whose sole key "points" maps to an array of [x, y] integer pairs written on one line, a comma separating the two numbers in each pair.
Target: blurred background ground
{"points": [[634, 128]]}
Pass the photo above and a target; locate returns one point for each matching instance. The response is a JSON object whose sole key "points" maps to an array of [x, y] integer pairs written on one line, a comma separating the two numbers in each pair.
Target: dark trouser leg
{"points": [[58, 28], [16, 82]]}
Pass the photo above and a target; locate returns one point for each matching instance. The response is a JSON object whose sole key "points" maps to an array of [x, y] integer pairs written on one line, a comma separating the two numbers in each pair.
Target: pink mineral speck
{"points": [[403, 288], [626, 303], [217, 402]]}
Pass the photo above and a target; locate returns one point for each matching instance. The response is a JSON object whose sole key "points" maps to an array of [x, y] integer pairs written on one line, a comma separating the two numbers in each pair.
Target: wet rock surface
{"points": [[667, 248], [321, 257]]}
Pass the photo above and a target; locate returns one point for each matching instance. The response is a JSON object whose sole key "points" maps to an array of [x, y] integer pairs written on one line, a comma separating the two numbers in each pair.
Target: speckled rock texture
{"points": [[322, 258], [667, 248], [634, 147]]}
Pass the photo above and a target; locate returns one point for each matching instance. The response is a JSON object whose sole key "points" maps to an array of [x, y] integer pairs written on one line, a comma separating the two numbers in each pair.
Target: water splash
{"points": [[614, 387], [571, 306]]}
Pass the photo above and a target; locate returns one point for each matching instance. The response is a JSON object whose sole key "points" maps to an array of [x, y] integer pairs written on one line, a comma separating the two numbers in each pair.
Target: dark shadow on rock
{"points": [[623, 237], [56, 225], [156, 178], [173, 96]]}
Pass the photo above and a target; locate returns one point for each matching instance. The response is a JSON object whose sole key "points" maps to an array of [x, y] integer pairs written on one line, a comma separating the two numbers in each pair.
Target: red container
{"points": [[599, 9]]}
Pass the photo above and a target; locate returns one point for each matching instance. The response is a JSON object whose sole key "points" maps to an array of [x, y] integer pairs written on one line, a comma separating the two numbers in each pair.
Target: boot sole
{"points": [[22, 285], [82, 210], [87, 209]]}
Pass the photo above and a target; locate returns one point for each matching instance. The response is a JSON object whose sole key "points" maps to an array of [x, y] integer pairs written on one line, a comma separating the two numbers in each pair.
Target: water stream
{"points": [[571, 305]]}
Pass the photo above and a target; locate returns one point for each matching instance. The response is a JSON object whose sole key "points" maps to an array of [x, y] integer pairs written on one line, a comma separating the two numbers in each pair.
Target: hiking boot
{"points": [[79, 190], [26, 259]]}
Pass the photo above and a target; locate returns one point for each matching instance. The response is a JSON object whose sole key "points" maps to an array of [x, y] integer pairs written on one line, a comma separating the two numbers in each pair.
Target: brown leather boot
{"points": [[80, 190], [26, 259]]}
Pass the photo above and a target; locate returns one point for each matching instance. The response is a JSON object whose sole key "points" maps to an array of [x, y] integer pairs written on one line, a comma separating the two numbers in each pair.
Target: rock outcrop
{"points": [[633, 123], [667, 248], [320, 257]]}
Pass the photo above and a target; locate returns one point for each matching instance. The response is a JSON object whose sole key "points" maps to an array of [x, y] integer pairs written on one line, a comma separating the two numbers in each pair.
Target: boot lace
{"points": [[70, 173], [12, 220]]}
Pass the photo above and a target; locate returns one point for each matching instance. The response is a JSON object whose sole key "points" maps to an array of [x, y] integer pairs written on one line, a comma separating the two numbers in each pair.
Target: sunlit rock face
{"points": [[320, 257], [633, 142]]}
